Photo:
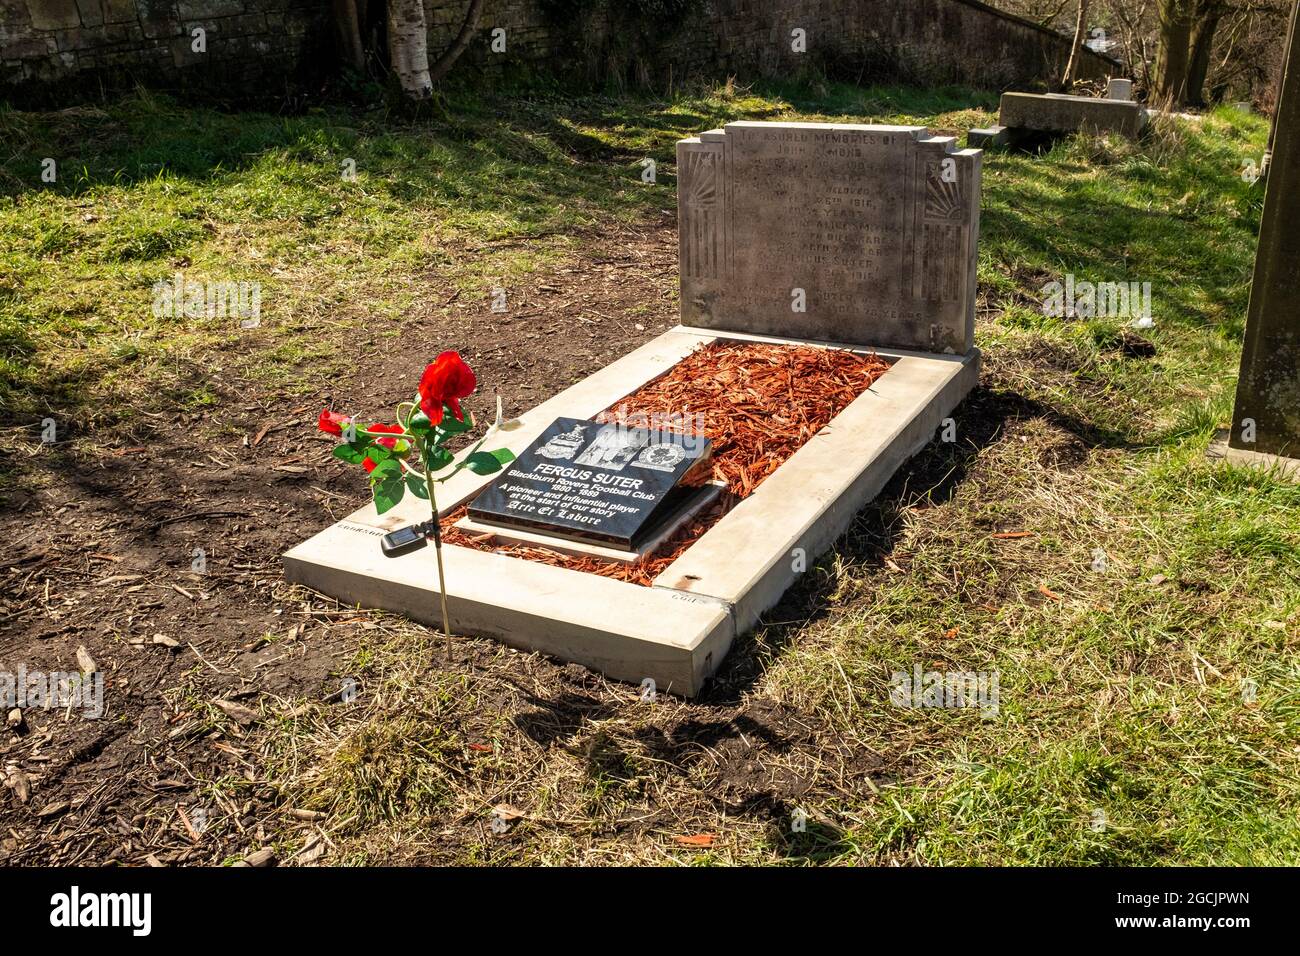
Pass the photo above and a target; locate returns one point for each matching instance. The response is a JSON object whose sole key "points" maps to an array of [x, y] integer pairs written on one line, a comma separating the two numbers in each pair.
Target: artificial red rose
{"points": [[389, 443], [447, 380], [369, 464], [332, 422]]}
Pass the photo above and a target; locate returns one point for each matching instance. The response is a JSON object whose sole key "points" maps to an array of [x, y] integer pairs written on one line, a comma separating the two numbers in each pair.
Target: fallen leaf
{"points": [[1048, 593], [311, 852], [1014, 534], [483, 748], [20, 784], [695, 839], [506, 812], [52, 809], [308, 815], [85, 661], [236, 712], [952, 632]]}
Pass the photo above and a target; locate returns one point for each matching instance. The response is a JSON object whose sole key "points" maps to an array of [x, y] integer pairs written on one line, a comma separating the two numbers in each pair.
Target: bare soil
{"points": [[101, 551]]}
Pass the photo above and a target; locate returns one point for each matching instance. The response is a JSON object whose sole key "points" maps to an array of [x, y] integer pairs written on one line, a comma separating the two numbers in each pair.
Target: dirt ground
{"points": [[101, 554]]}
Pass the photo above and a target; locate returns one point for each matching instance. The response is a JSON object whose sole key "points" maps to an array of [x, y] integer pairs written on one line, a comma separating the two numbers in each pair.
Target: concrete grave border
{"points": [[678, 631]]}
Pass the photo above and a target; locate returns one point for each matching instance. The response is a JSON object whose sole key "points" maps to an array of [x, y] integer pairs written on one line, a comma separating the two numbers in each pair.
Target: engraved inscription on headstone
{"points": [[603, 483], [876, 225]]}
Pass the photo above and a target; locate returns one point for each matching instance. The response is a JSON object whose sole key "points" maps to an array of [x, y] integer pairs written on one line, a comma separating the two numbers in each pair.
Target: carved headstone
{"points": [[834, 232]]}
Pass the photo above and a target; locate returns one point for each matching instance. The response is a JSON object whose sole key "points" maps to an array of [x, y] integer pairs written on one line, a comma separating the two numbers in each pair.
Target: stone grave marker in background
{"points": [[1266, 417], [1063, 113], [1118, 88]]}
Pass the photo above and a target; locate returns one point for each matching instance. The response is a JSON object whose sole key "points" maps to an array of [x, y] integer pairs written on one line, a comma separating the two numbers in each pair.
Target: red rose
{"points": [[369, 464], [389, 443], [447, 380], [332, 422]]}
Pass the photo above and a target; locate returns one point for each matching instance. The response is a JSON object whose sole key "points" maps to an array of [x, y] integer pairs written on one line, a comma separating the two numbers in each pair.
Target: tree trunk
{"points": [[348, 26], [445, 62], [408, 47], [1076, 50], [1198, 67], [1173, 57]]}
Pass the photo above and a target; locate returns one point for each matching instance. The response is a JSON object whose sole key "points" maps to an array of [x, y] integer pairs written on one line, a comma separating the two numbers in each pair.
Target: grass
{"points": [[1144, 632]]}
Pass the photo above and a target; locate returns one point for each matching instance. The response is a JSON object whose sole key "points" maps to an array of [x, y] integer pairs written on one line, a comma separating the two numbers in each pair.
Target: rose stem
{"points": [[437, 550]]}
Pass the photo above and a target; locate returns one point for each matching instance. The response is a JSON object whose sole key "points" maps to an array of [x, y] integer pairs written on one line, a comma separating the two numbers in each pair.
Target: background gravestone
{"points": [[871, 229], [1268, 391]]}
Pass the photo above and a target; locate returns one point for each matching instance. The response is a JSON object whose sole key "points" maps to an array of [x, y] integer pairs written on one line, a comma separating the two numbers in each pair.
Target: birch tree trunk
{"points": [[1076, 50], [408, 47]]}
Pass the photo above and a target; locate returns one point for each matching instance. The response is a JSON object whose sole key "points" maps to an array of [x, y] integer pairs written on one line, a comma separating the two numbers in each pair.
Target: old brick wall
{"points": [[271, 46], [921, 41], [248, 42]]}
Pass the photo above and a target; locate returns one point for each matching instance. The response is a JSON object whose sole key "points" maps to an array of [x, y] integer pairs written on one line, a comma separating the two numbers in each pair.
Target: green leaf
{"points": [[438, 457], [419, 423], [388, 492], [417, 486], [487, 462], [388, 468], [348, 453], [378, 454], [451, 425]]}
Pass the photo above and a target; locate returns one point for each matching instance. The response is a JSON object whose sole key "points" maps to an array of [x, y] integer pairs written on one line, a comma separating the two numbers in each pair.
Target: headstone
{"points": [[994, 137], [1268, 390], [606, 483], [1062, 113], [1118, 88], [832, 232]]}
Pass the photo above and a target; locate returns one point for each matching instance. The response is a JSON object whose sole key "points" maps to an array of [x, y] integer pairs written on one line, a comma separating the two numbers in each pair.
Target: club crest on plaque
{"points": [[613, 447], [563, 447], [663, 456]]}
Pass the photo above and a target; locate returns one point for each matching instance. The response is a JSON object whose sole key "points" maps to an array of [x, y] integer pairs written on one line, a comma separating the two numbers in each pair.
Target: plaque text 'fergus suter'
{"points": [[604, 483]]}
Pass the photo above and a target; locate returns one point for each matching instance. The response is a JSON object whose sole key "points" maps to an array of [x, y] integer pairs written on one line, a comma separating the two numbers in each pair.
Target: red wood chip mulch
{"points": [[758, 402]]}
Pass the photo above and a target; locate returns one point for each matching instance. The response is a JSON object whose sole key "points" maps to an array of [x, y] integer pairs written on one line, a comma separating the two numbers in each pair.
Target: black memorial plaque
{"points": [[610, 484]]}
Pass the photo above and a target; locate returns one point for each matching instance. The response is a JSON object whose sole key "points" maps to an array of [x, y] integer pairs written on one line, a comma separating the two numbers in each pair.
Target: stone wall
{"points": [[61, 49], [58, 45], [914, 41]]}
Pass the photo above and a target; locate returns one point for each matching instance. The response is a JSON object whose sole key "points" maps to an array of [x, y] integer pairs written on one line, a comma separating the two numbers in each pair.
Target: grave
{"points": [[1118, 88], [1065, 113], [1029, 119], [800, 235], [1265, 429]]}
